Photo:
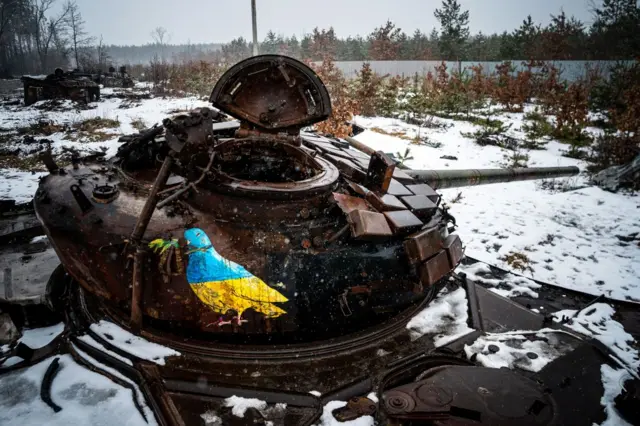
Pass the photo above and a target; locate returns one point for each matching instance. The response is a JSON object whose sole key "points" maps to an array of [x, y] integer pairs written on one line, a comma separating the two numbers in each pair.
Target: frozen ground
{"points": [[21, 186]]}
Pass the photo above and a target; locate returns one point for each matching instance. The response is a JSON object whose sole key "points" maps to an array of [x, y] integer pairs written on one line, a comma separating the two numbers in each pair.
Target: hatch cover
{"points": [[272, 92]]}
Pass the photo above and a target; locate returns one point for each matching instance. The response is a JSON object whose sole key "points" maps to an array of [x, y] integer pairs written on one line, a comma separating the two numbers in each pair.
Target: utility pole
{"points": [[255, 27]]}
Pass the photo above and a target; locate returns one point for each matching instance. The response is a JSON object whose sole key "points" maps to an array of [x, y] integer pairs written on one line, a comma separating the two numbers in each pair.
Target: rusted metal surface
{"points": [[360, 146], [355, 408], [434, 269], [137, 288], [380, 172], [367, 225], [453, 246], [272, 92], [348, 204], [422, 245], [261, 202]]}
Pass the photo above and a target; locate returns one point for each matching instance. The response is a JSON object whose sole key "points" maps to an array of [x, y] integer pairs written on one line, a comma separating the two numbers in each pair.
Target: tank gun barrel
{"points": [[440, 179]]}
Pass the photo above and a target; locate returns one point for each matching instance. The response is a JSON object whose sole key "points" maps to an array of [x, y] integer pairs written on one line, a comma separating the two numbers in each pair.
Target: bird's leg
{"points": [[222, 321], [238, 320]]}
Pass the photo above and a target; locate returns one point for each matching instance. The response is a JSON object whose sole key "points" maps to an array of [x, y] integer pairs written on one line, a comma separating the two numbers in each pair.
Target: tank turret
{"points": [[287, 267], [272, 232]]}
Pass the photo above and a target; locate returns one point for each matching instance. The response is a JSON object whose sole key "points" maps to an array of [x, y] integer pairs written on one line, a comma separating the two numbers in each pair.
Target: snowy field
{"points": [[575, 238]]}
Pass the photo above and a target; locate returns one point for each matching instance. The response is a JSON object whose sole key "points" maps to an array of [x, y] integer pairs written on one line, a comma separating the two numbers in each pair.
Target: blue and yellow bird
{"points": [[224, 285]]}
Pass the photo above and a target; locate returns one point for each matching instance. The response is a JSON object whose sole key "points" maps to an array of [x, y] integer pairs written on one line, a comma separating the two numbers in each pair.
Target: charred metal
{"points": [[279, 261]]}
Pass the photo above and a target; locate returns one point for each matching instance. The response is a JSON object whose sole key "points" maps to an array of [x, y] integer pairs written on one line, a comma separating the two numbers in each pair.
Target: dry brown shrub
{"points": [[479, 86], [343, 106], [509, 90]]}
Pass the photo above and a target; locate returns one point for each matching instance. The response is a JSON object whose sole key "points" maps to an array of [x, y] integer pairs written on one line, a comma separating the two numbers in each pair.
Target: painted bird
{"points": [[225, 285]]}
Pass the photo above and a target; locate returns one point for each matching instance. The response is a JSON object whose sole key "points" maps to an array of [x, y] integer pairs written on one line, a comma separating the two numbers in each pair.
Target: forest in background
{"points": [[34, 40]]}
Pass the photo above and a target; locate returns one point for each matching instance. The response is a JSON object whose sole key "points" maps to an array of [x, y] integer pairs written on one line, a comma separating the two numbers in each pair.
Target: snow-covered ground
{"points": [[571, 239], [21, 185]]}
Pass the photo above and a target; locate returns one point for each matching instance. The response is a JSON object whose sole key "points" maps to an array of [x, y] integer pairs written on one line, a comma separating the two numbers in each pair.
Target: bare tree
{"points": [[161, 37], [102, 55], [7, 9], [47, 30], [78, 36]]}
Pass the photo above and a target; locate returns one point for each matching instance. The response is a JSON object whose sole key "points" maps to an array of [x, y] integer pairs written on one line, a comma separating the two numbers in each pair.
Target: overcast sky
{"points": [[216, 21]]}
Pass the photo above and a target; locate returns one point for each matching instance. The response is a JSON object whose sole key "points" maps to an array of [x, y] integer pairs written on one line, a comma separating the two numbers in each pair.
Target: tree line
{"points": [[614, 35], [34, 39]]}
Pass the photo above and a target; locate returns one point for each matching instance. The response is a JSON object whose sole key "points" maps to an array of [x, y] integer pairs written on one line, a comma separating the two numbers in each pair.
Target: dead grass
{"points": [[139, 124], [31, 163], [92, 130], [401, 135], [518, 261], [457, 198], [41, 128]]}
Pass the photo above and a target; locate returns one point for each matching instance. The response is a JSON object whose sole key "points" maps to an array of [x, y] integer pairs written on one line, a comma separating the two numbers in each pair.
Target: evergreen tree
{"points": [[527, 39], [385, 42], [454, 25], [616, 30]]}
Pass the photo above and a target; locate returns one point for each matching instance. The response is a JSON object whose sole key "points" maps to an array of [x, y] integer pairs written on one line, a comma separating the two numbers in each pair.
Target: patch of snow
{"points": [[86, 398], [240, 405], [38, 239], [446, 317], [327, 418], [147, 411], [211, 419], [513, 350], [597, 321], [91, 341], [132, 344], [372, 396], [612, 381], [18, 185], [37, 338], [382, 352], [315, 393], [12, 361], [509, 286]]}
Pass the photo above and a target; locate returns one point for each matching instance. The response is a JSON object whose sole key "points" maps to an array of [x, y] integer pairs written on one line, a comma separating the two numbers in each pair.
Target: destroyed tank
{"points": [[277, 261]]}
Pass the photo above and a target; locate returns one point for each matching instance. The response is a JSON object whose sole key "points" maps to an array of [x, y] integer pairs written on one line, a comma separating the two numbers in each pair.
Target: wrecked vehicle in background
{"points": [[285, 266], [60, 85], [117, 79]]}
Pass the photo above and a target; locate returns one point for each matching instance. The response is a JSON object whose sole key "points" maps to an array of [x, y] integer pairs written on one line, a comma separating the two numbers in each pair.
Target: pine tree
{"points": [[616, 29], [385, 42], [527, 40], [454, 25]]}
